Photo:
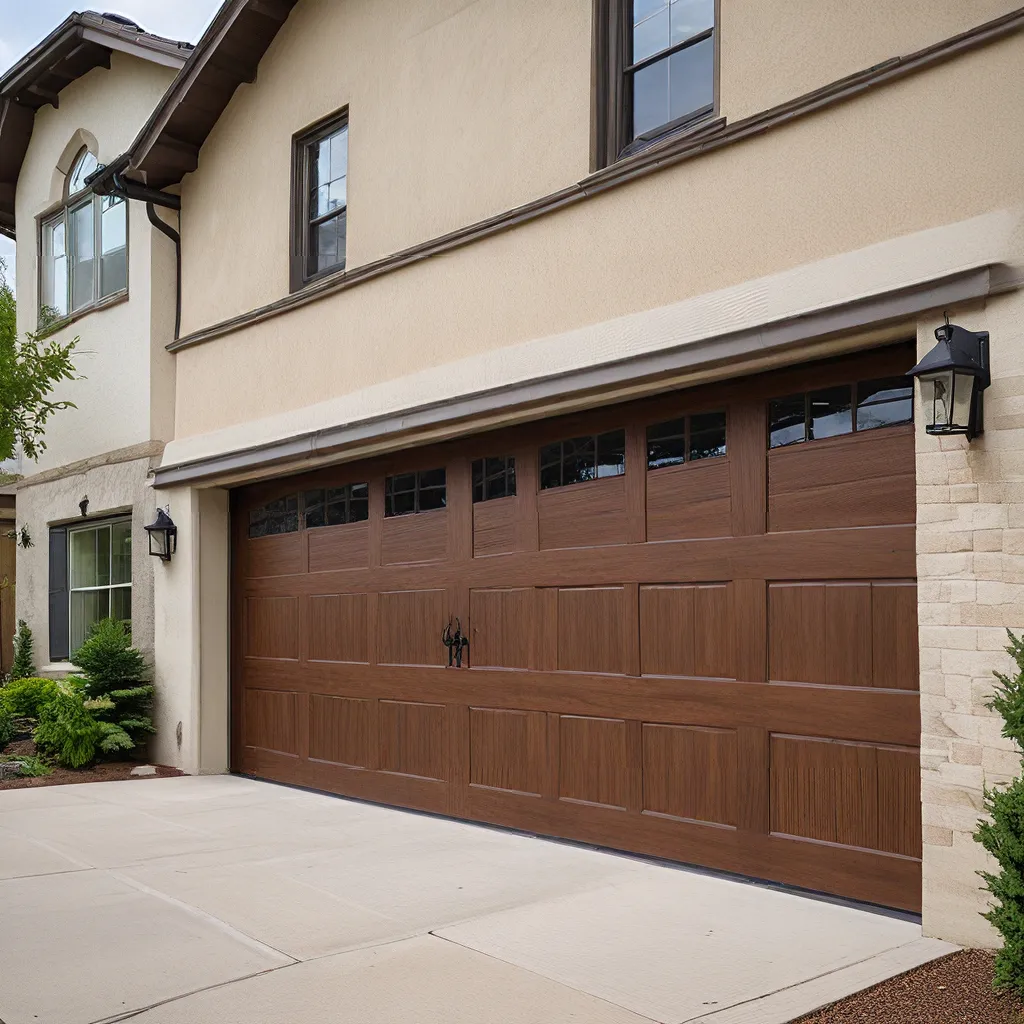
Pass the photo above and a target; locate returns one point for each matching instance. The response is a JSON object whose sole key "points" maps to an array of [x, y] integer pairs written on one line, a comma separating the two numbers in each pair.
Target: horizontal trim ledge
{"points": [[876, 310], [705, 138]]}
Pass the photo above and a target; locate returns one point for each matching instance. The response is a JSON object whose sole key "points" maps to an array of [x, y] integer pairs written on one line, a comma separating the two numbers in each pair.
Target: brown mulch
{"points": [[110, 772], [954, 990]]}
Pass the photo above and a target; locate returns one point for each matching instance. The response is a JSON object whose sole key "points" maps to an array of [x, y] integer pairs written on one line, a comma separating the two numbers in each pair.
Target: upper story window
{"points": [[320, 201], [84, 247], [655, 72], [583, 458], [842, 409]]}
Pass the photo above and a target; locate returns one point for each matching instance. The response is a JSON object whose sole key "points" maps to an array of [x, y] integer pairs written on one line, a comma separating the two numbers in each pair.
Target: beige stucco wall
{"points": [[872, 169], [127, 388], [970, 542], [113, 489]]}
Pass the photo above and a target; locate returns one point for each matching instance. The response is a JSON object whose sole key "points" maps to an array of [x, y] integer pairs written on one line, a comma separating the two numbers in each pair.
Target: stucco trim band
{"points": [[705, 139], [146, 450], [888, 307]]}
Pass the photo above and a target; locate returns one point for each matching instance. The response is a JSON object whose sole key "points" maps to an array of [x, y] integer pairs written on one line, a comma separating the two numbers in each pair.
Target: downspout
{"points": [[173, 235]]}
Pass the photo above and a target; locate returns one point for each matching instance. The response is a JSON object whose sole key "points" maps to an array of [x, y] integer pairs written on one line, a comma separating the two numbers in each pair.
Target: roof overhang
{"points": [[82, 42]]}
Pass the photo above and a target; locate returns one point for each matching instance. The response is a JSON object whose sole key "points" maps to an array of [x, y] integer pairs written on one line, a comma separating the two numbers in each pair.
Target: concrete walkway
{"points": [[201, 900]]}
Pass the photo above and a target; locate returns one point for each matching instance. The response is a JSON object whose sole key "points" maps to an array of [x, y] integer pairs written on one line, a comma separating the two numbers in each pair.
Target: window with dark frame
{"points": [[494, 478], [83, 248], [579, 459], [320, 201], [686, 439], [654, 72], [279, 516], [838, 410], [409, 493], [336, 506]]}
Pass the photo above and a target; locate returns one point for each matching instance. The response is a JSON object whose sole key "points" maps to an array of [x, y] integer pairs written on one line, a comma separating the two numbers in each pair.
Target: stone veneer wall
{"points": [[970, 563]]}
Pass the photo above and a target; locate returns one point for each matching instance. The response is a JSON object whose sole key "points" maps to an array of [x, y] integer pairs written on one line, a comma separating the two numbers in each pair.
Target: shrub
{"points": [[6, 727], [115, 686], [23, 666], [25, 698], [29, 766], [67, 730], [1003, 836]]}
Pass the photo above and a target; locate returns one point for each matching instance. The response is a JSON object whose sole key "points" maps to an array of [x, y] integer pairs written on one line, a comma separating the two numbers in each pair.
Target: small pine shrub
{"points": [[115, 686], [68, 731], [30, 767], [23, 666], [1003, 835], [25, 698]]}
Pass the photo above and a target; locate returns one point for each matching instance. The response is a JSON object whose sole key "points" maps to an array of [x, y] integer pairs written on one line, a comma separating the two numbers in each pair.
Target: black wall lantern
{"points": [[163, 536], [953, 376]]}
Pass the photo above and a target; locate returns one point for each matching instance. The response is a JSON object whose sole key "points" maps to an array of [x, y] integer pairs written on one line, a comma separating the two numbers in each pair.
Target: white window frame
{"points": [[92, 527]]}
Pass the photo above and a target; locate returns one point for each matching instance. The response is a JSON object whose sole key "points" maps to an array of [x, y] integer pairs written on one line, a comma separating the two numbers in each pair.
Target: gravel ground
{"points": [[954, 990], [110, 772]]}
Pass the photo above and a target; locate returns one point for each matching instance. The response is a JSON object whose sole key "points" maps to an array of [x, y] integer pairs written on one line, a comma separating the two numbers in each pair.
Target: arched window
{"points": [[84, 246]]}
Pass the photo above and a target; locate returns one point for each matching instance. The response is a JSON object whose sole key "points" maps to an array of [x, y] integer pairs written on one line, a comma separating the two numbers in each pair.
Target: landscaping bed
{"points": [[954, 990], [109, 771]]}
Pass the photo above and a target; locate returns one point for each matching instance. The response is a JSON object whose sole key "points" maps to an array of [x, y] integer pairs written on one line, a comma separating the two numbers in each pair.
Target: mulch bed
{"points": [[954, 990], [109, 772]]}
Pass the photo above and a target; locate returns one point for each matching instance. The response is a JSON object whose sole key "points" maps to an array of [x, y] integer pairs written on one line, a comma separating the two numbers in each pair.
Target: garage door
{"points": [[691, 625]]}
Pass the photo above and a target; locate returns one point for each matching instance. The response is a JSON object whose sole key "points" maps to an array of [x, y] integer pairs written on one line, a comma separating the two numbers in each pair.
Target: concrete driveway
{"points": [[199, 900]]}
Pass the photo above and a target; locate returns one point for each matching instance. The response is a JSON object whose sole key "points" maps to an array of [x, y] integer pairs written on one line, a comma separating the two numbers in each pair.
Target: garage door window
{"points": [[281, 516], [100, 561], [494, 478], [336, 506], [579, 459], [408, 493], [687, 439]]}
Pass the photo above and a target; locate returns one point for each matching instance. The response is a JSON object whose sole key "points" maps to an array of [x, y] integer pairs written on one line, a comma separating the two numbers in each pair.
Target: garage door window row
{"points": [[831, 412]]}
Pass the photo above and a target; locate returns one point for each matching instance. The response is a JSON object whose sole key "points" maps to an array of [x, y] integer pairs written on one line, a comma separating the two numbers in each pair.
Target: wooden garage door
{"points": [[692, 626]]}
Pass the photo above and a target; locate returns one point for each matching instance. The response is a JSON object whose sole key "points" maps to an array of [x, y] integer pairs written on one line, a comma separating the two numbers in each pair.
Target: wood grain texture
{"points": [[409, 628], [617, 688], [592, 630], [272, 627], [583, 515], [503, 627], [412, 739], [691, 500], [866, 479], [339, 547], [281, 555], [271, 720], [690, 772], [341, 730], [508, 749], [415, 538], [593, 767], [337, 629]]}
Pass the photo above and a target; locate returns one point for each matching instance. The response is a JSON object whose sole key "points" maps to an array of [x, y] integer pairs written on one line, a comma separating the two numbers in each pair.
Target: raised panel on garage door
{"points": [[696, 647]]}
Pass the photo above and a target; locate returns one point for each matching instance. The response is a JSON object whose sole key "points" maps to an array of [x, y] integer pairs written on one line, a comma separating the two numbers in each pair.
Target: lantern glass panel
{"points": [[158, 542], [942, 403], [963, 389]]}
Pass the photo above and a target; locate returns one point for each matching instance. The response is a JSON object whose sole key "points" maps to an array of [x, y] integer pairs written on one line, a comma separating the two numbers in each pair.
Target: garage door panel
{"points": [[690, 772], [594, 765], [272, 627], [713, 661], [338, 627], [508, 749], [274, 556], [415, 538], [341, 730], [272, 720], [339, 547], [412, 739], [410, 627]]}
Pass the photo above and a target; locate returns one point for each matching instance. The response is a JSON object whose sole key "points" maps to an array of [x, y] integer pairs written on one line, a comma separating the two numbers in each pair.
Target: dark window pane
{"points": [[611, 453], [787, 421], [281, 516], [358, 510], [478, 480], [579, 460], [432, 478], [510, 483], [707, 435], [885, 402], [315, 511], [691, 74], [551, 475], [888, 389], [258, 522], [404, 482], [432, 498], [831, 412], [666, 444], [650, 97], [400, 504]]}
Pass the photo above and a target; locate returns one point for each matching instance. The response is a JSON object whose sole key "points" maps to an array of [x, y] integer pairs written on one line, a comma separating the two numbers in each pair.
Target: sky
{"points": [[23, 23]]}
